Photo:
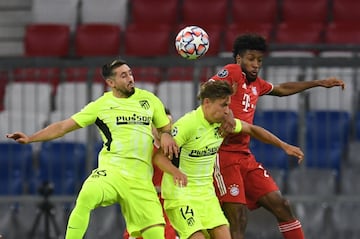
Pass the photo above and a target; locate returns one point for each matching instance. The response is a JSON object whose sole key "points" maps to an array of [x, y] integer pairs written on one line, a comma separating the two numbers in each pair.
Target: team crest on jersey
{"points": [[174, 131], [254, 90], [234, 190], [217, 133], [144, 104], [223, 73]]}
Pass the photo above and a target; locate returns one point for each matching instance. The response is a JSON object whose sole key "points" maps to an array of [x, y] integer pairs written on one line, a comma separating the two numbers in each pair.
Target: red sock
{"points": [[291, 230]]}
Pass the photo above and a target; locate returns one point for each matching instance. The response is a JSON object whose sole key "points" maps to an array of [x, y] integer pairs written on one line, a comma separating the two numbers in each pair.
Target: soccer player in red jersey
{"points": [[241, 181]]}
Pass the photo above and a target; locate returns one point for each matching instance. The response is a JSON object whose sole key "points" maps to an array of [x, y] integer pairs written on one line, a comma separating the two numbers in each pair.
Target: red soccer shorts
{"points": [[242, 179]]}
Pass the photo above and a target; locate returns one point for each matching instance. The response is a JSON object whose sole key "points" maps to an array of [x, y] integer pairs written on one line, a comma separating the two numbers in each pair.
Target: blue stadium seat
{"points": [[327, 129], [15, 165], [63, 164], [283, 124], [327, 137], [357, 125], [323, 157]]}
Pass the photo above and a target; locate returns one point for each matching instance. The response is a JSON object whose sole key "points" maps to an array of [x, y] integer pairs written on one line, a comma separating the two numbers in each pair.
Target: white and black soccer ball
{"points": [[192, 42]]}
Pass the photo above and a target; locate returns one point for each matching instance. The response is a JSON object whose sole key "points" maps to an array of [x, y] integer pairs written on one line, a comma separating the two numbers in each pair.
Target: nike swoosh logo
{"points": [[114, 107], [70, 227]]}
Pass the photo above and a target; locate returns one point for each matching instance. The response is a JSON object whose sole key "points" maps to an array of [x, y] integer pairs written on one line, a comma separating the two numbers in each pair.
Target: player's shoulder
{"points": [[228, 70], [188, 120], [142, 93]]}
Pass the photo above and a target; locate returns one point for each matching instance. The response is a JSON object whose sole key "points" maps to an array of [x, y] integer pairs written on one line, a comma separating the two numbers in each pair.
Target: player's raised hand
{"points": [[18, 137], [228, 124], [332, 82], [294, 151], [169, 145]]}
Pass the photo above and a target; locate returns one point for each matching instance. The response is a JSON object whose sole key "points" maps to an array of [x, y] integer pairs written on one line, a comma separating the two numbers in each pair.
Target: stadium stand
{"points": [[284, 124], [26, 97], [350, 176], [234, 29], [70, 98], [63, 165], [159, 11], [318, 226], [319, 182], [345, 11], [306, 11], [243, 11], [334, 99], [171, 93], [342, 219], [95, 39], [44, 39], [15, 164], [342, 33], [104, 12], [56, 12], [215, 14], [157, 36]]}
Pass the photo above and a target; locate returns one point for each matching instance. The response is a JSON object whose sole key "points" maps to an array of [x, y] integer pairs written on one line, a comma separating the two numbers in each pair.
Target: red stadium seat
{"points": [[47, 40], [147, 74], [245, 11], [156, 11], [346, 11], [178, 73], [206, 12], [97, 40], [49, 75], [298, 32], [342, 33], [235, 29], [147, 40], [305, 11]]}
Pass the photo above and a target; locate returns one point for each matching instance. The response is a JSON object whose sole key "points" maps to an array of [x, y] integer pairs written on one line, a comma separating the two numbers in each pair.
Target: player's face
{"points": [[217, 110], [251, 62], [122, 82]]}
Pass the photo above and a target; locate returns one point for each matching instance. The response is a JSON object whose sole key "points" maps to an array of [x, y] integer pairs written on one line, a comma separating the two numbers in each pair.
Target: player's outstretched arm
{"points": [[290, 88], [228, 124], [267, 137], [167, 142], [165, 164], [53, 131]]}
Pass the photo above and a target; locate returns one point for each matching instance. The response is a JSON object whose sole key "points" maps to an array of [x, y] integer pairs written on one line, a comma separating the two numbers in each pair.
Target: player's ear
{"points": [[238, 59]]}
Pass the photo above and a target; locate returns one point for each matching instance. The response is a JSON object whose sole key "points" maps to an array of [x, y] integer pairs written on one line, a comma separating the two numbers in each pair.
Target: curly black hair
{"points": [[250, 41]]}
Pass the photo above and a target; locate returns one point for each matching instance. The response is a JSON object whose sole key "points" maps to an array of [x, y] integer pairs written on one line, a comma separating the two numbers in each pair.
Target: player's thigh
{"points": [[140, 206], [220, 232], [258, 183], [229, 186], [98, 189]]}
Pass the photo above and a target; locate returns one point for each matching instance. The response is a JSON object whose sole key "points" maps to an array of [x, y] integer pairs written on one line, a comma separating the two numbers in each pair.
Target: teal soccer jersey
{"points": [[199, 142], [125, 127]]}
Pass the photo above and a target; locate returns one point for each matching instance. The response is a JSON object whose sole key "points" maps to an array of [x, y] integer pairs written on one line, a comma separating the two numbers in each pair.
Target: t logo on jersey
{"points": [[144, 104]]}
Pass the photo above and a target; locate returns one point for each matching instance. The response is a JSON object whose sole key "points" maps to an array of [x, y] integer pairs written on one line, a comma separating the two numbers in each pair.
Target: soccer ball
{"points": [[192, 42]]}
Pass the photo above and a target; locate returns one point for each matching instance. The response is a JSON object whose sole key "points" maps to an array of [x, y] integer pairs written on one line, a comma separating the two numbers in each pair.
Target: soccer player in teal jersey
{"points": [[124, 117], [187, 186]]}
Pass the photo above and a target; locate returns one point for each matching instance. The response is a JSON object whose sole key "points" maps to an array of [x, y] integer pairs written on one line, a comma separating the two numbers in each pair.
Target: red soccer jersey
{"points": [[243, 103]]}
